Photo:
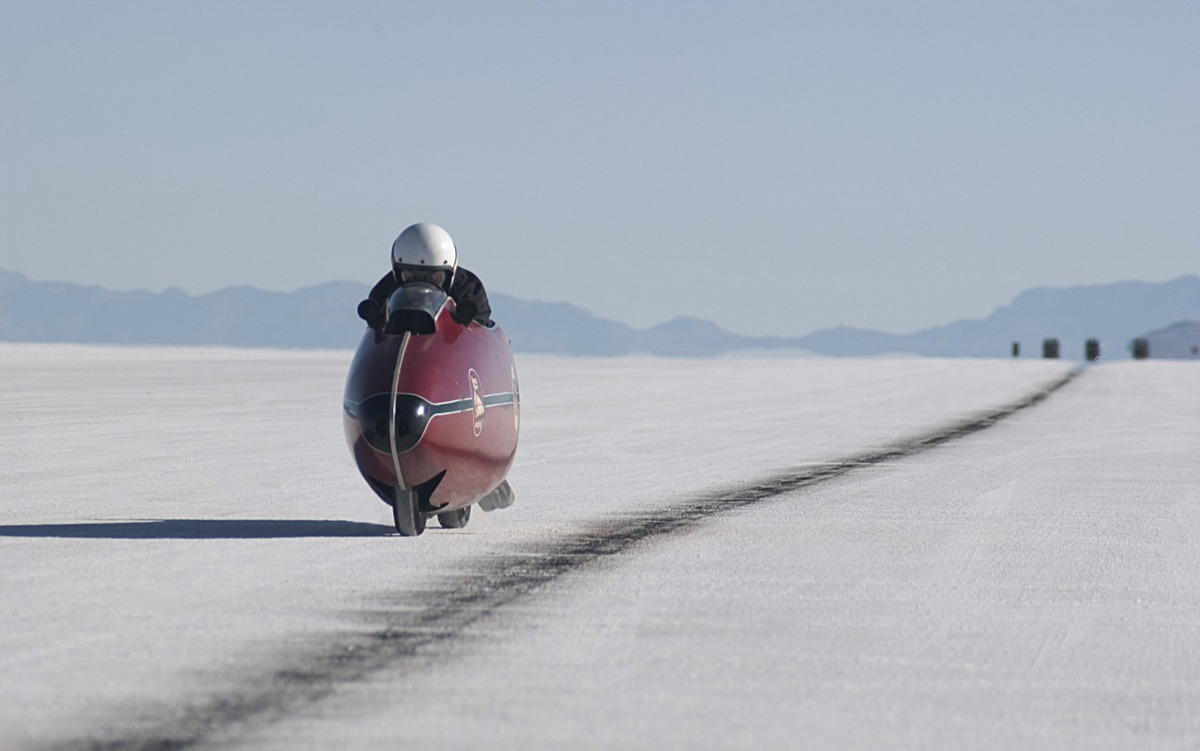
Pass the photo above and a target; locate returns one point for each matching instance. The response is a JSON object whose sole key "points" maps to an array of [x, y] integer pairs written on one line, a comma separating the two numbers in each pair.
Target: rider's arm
{"points": [[470, 298], [371, 309]]}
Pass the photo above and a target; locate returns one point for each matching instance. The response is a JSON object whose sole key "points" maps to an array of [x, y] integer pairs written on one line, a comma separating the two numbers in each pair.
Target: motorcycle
{"points": [[432, 411]]}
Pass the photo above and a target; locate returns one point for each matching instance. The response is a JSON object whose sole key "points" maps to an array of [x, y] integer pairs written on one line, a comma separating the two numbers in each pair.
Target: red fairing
{"points": [[371, 374], [457, 411]]}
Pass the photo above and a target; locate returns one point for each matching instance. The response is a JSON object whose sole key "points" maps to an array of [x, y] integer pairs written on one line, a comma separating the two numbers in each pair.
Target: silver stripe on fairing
{"points": [[387, 436], [392, 411], [499, 400], [452, 407], [455, 406]]}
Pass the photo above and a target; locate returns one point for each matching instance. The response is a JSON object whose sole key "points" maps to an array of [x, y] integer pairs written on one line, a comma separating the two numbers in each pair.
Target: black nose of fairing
{"points": [[413, 308], [412, 417]]}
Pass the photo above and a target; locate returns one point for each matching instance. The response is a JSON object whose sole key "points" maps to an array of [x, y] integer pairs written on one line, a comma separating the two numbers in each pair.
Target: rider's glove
{"points": [[371, 312]]}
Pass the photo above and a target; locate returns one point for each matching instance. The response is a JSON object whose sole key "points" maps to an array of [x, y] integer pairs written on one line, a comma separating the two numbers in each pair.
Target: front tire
{"points": [[407, 514]]}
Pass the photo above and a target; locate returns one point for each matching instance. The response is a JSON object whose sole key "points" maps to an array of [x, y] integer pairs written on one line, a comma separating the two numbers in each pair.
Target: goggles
{"points": [[436, 277]]}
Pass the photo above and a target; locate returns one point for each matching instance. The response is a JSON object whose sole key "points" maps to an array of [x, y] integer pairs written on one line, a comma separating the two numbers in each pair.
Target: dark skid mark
{"points": [[199, 529], [413, 628]]}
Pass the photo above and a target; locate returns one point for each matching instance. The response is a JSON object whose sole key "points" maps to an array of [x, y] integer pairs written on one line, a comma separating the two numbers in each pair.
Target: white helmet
{"points": [[425, 252]]}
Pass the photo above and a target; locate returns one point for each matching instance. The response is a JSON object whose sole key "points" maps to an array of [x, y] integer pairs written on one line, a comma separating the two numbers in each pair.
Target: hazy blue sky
{"points": [[775, 167]]}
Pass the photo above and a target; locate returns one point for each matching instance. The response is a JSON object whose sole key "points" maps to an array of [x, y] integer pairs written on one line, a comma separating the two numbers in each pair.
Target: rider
{"points": [[425, 252]]}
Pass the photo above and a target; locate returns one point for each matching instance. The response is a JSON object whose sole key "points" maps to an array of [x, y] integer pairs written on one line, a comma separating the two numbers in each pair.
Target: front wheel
{"points": [[406, 513], [455, 519]]}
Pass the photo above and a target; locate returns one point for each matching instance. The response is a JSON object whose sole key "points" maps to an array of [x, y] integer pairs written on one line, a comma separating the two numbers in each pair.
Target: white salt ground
{"points": [[1030, 586], [975, 594]]}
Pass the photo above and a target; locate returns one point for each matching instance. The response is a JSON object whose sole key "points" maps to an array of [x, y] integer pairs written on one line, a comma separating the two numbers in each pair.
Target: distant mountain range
{"points": [[1179, 341], [1112, 313], [323, 317]]}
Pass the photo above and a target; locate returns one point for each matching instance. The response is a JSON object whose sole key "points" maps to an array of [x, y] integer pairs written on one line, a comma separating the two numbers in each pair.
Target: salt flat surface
{"points": [[1030, 586], [177, 519]]}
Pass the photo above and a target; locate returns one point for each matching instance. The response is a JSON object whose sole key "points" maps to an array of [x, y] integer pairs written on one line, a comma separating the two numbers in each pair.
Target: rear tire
{"points": [[455, 519], [406, 513]]}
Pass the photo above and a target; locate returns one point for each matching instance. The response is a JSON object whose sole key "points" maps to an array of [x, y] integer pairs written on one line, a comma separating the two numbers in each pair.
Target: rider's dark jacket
{"points": [[466, 290]]}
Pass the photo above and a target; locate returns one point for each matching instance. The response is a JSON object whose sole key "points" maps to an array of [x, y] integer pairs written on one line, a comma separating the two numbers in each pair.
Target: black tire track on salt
{"points": [[412, 632]]}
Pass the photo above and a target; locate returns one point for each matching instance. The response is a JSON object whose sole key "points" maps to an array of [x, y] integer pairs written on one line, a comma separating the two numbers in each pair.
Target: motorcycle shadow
{"points": [[199, 529]]}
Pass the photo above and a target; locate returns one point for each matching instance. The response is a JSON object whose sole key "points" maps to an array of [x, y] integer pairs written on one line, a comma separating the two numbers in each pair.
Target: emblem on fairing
{"points": [[476, 401]]}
